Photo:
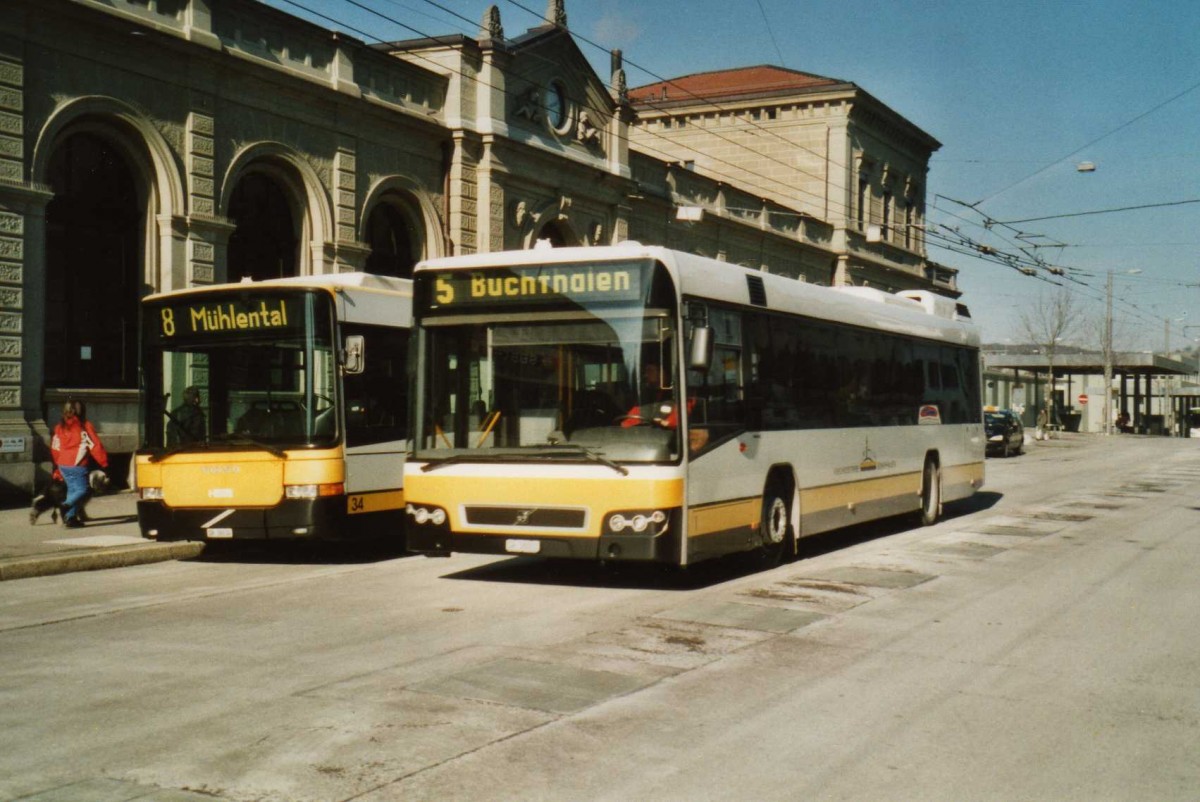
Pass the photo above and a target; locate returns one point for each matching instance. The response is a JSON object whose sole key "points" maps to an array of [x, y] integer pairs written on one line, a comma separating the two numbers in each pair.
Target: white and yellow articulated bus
{"points": [[276, 409], [636, 403]]}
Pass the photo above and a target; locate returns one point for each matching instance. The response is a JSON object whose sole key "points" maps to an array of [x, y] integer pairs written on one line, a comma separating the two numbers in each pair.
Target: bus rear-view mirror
{"points": [[355, 354], [701, 348]]}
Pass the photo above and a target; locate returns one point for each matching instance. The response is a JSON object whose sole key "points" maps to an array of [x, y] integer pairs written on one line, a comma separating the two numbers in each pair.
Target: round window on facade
{"points": [[558, 112]]}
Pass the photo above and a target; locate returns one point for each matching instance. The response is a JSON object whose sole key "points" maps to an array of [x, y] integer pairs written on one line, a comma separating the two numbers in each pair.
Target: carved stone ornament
{"points": [[529, 105], [524, 218], [585, 132], [492, 29], [556, 13], [621, 86], [520, 215]]}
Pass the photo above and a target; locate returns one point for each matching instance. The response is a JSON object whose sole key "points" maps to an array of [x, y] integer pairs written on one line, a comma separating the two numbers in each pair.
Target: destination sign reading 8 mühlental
{"points": [[225, 315], [541, 284]]}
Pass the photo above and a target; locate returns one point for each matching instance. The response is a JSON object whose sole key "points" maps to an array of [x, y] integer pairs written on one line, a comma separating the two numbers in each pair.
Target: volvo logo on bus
{"points": [[218, 469], [523, 517]]}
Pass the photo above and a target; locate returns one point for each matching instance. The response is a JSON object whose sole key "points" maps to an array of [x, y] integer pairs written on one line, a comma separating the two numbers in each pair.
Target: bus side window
{"points": [[376, 400]]}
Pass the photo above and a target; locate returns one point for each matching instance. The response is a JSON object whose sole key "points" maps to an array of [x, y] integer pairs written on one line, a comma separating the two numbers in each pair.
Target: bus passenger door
{"points": [[376, 413]]}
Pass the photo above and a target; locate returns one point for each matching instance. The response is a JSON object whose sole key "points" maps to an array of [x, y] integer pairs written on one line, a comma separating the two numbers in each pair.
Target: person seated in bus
{"points": [[254, 422], [653, 402], [186, 423], [590, 409]]}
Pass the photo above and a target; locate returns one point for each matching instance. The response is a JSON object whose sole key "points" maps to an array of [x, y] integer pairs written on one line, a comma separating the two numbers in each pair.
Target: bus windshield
{"points": [[253, 367], [575, 377]]}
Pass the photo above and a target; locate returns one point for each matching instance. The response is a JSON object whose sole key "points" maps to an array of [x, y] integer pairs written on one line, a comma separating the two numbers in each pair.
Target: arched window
{"points": [[394, 236], [559, 234], [264, 244], [95, 235]]}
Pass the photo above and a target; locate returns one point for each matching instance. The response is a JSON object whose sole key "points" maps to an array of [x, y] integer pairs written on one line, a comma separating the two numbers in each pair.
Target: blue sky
{"points": [[1019, 93]]}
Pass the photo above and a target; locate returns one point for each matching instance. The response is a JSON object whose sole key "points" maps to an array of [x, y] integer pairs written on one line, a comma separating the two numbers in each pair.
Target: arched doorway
{"points": [[393, 233], [265, 243], [95, 247]]}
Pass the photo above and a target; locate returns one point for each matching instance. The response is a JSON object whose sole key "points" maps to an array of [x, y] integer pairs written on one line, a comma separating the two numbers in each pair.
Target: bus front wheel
{"points": [[931, 493]]}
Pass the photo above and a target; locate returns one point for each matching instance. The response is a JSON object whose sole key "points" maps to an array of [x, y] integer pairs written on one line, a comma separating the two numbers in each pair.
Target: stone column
{"points": [[201, 192], [22, 292], [348, 253]]}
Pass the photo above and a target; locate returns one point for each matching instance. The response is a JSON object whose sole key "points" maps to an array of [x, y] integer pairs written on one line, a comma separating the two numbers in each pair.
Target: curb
{"points": [[114, 557]]}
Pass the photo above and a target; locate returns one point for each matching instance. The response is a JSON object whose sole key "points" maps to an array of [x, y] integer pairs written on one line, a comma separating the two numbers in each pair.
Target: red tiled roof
{"points": [[730, 83]]}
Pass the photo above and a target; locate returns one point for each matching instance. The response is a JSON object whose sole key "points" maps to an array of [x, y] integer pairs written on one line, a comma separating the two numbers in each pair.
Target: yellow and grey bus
{"points": [[636, 403], [275, 409]]}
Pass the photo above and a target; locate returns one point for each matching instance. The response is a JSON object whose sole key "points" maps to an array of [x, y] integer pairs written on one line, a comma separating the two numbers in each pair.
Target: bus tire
{"points": [[931, 492], [775, 525]]}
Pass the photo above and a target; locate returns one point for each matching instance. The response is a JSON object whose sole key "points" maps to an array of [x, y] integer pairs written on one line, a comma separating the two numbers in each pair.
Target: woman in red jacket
{"points": [[74, 442]]}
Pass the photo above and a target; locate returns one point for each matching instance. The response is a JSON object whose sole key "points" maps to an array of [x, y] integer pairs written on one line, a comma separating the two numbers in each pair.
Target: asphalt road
{"points": [[1038, 644]]}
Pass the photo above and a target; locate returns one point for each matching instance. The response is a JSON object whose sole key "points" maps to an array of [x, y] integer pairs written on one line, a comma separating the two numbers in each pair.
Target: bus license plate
{"points": [[219, 532], [514, 546]]}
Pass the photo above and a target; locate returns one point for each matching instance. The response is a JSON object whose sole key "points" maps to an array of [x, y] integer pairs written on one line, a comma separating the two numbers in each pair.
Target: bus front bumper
{"points": [[438, 541], [291, 519]]}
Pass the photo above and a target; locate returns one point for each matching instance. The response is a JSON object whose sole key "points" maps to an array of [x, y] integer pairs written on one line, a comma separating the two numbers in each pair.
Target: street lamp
{"points": [[1108, 352]]}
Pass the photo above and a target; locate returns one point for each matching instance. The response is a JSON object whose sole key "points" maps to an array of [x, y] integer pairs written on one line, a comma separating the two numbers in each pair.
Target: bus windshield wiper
{"points": [[561, 449], [457, 458], [594, 456], [179, 449], [242, 440]]}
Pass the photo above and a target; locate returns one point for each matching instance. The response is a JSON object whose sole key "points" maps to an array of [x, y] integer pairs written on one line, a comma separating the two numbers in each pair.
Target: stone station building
{"points": [[150, 145]]}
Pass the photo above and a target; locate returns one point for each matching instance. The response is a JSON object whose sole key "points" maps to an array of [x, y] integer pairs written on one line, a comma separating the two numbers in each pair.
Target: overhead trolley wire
{"points": [[1088, 144]]}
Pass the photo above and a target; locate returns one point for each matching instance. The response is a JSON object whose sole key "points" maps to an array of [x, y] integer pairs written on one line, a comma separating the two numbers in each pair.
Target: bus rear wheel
{"points": [[775, 526], [931, 493]]}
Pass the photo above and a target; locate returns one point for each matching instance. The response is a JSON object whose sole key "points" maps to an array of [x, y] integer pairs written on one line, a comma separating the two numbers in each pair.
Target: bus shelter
{"points": [[1145, 385]]}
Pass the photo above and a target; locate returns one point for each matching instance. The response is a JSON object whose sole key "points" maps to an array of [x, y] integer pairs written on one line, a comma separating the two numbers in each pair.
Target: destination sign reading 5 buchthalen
{"points": [[540, 284], [242, 315]]}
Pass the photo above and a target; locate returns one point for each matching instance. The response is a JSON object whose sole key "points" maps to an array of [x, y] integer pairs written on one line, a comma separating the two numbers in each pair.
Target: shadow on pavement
{"points": [[644, 576], [110, 520], [290, 552]]}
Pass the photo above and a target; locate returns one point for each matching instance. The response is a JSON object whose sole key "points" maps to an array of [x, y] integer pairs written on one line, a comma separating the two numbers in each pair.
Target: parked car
{"points": [[1005, 434]]}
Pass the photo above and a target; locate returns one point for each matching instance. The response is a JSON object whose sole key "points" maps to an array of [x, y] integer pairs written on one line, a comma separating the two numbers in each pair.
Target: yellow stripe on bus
{"points": [[597, 496], [828, 497], [969, 474], [723, 516], [378, 501]]}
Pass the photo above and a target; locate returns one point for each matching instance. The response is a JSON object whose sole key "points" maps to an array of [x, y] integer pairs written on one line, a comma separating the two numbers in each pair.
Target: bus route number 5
{"points": [[445, 291]]}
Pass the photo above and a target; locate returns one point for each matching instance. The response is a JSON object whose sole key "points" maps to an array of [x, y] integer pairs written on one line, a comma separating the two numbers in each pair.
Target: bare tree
{"points": [[1051, 319]]}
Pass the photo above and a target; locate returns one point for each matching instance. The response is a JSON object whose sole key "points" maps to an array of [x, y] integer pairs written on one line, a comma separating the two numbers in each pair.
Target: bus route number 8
{"points": [[168, 322]]}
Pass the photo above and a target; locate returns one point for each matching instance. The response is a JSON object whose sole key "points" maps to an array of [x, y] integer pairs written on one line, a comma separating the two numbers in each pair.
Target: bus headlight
{"points": [[637, 520], [426, 515], [313, 491]]}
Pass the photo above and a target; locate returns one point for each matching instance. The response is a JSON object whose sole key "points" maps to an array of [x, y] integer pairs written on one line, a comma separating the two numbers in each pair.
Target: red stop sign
{"points": [[1082, 399]]}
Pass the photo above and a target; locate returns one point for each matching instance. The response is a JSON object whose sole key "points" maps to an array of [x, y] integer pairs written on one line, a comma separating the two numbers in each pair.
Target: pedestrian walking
{"points": [[1043, 421], [74, 446]]}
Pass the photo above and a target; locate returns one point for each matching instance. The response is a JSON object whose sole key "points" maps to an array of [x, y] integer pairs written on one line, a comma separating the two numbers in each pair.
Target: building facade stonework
{"points": [[152, 146]]}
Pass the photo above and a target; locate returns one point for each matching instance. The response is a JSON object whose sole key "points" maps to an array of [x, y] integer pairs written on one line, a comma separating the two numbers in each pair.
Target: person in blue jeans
{"points": [[75, 444]]}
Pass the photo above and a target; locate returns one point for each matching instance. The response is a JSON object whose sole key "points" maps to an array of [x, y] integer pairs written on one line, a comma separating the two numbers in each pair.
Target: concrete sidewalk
{"points": [[109, 540]]}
